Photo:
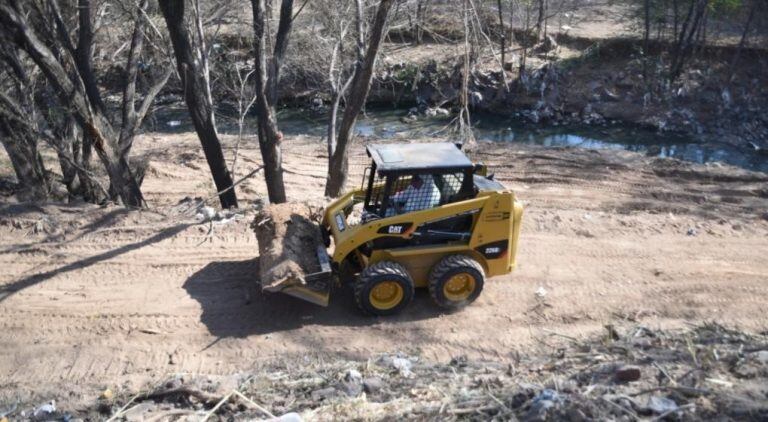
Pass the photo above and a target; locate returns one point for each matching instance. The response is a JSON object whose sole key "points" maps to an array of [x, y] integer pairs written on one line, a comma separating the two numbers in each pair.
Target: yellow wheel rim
{"points": [[459, 287], [386, 295]]}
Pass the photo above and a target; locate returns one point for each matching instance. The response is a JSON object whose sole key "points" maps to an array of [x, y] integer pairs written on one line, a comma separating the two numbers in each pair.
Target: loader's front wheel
{"points": [[384, 288], [456, 281]]}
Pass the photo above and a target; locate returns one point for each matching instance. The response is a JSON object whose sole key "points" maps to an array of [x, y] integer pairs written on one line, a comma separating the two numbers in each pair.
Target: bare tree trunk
{"points": [[26, 161], [339, 90], [675, 16], [267, 77], [243, 107], [131, 117], [684, 43], [540, 19], [464, 123], [361, 83], [84, 53], [524, 57], [503, 35], [646, 36], [173, 12], [68, 152], [743, 40], [92, 120], [421, 16]]}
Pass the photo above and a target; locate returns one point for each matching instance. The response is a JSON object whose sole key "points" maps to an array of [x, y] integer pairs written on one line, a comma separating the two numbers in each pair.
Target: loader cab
{"points": [[405, 178]]}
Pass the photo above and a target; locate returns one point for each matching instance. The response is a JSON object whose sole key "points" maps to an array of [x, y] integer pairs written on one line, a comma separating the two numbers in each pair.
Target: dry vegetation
{"points": [[633, 373]]}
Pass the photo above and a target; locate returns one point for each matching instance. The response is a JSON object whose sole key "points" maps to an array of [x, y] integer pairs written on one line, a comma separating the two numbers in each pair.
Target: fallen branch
{"points": [[242, 179], [120, 412], [254, 404], [198, 205], [204, 397]]}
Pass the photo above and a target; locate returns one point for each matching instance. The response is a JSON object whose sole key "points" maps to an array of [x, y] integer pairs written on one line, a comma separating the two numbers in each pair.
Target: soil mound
{"points": [[288, 236]]}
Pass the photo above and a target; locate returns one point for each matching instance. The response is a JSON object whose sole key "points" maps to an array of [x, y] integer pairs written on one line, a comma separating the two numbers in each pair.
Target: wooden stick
{"points": [[254, 404], [122, 409], [218, 405]]}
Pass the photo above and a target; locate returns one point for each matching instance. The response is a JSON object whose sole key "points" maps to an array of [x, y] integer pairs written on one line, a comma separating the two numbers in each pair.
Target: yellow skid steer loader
{"points": [[426, 217]]}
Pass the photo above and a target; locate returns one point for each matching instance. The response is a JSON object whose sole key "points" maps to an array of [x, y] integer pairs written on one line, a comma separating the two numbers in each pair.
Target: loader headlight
{"points": [[340, 222]]}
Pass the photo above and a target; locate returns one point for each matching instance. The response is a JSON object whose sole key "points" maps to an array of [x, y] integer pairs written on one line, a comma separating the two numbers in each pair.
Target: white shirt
{"points": [[416, 199]]}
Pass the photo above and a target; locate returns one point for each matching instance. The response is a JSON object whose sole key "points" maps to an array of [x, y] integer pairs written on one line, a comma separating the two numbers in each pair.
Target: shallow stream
{"points": [[389, 123]]}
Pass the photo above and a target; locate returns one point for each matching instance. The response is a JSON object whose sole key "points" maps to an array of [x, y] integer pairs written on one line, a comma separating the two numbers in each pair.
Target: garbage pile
{"points": [[706, 372]]}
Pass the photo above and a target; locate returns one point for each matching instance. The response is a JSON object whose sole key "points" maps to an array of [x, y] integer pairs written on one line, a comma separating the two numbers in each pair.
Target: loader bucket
{"points": [[316, 287], [292, 256]]}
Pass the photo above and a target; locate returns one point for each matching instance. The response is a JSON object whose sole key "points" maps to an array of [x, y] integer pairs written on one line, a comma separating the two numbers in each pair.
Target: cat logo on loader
{"points": [[425, 217]]}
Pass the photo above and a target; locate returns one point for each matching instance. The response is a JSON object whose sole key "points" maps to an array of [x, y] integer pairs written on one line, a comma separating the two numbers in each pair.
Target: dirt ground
{"points": [[100, 297]]}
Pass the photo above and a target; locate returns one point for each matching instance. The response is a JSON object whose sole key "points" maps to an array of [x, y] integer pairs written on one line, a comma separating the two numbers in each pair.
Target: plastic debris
{"points": [[403, 366], [540, 405], [45, 409], [288, 417], [661, 405]]}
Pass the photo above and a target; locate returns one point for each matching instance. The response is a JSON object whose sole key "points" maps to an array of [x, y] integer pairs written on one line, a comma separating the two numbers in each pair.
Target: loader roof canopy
{"points": [[443, 156]]}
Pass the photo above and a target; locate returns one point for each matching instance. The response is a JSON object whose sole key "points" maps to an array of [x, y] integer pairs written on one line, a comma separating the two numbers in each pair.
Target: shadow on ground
{"points": [[38, 278], [234, 306]]}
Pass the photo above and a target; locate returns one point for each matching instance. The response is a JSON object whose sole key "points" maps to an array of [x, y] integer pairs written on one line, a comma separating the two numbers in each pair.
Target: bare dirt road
{"points": [[94, 297]]}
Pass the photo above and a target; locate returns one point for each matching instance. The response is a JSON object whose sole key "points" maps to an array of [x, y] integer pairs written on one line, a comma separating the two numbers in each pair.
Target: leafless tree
{"points": [[193, 71], [338, 164], [502, 33], [685, 38], [345, 52], [27, 163], [744, 35], [37, 27], [266, 80], [245, 101]]}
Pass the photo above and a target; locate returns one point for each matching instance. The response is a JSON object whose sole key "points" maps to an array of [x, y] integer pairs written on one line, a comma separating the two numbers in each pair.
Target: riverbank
{"points": [[594, 82], [593, 73]]}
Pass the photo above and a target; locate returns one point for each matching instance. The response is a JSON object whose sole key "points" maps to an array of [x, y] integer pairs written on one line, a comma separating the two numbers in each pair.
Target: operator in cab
{"points": [[421, 194]]}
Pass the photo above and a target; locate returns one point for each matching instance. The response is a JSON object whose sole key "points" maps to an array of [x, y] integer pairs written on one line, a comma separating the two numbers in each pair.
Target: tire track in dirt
{"points": [[133, 310]]}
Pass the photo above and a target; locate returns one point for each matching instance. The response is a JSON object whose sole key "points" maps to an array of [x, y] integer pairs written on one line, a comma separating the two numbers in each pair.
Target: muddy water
{"points": [[390, 123]]}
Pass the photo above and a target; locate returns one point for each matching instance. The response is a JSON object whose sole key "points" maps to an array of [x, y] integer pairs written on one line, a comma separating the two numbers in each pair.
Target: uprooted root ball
{"points": [[288, 236]]}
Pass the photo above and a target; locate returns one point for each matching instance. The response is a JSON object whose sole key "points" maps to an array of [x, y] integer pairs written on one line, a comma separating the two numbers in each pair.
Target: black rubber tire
{"points": [[378, 272], [448, 267]]}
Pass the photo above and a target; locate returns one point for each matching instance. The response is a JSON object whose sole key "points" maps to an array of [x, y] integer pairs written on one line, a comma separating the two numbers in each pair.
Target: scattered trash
{"points": [[352, 384], [324, 394], [173, 123], [542, 403], [353, 375], [724, 383], [627, 373], [760, 356], [207, 213], [45, 409], [403, 366], [288, 417], [541, 292], [577, 381], [373, 385], [661, 405], [691, 232]]}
